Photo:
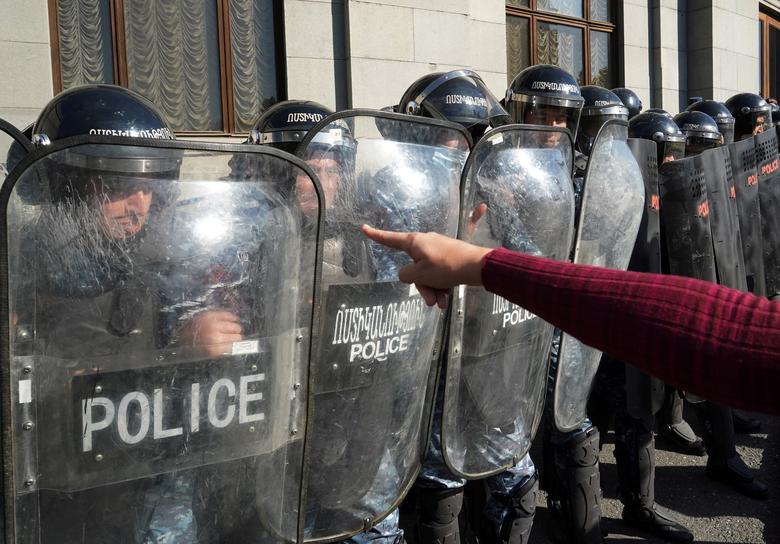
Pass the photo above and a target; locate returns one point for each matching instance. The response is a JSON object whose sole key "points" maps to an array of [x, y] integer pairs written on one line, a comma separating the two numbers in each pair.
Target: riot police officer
{"points": [[670, 145], [600, 106], [720, 113], [752, 115], [100, 280], [548, 95], [461, 96], [701, 131], [630, 100], [284, 126]]}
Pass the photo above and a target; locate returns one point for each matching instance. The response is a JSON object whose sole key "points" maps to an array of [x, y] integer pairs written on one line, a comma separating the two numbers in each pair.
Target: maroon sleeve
{"points": [[716, 342]]}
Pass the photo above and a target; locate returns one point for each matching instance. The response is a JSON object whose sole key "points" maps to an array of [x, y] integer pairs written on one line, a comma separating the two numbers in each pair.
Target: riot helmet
{"points": [[720, 113], [661, 111], [669, 140], [775, 113], [752, 114], [107, 196], [630, 100], [459, 96], [600, 106], [284, 124], [107, 173], [701, 131], [545, 95]]}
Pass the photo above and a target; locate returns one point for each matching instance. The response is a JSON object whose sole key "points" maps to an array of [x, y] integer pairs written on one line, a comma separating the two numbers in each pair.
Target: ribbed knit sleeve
{"points": [[713, 341]]}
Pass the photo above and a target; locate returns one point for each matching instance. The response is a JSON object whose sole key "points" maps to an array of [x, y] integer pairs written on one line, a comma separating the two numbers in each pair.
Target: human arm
{"points": [[716, 342]]}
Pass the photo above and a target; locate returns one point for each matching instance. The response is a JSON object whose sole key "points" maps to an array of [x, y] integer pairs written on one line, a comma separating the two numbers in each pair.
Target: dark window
{"points": [[577, 35], [211, 66]]}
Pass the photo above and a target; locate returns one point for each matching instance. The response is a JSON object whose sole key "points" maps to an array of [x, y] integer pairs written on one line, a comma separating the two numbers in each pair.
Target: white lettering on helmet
{"points": [[554, 86], [465, 99], [302, 117], [153, 133]]}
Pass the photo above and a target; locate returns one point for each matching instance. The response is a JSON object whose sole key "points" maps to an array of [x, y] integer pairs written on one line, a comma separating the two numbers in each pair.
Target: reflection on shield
{"points": [[518, 194], [612, 201], [768, 170], [743, 167], [161, 321], [370, 398]]}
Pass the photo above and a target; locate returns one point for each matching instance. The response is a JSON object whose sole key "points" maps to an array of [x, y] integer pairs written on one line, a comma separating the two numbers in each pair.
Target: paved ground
{"points": [[711, 510]]}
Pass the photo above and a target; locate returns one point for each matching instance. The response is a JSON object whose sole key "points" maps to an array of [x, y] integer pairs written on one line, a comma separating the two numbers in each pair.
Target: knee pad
{"points": [[439, 515], [516, 528]]}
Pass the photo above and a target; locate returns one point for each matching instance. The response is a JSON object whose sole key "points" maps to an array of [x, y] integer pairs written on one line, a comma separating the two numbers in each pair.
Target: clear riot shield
{"points": [[768, 170], [518, 194], [369, 396], [14, 146], [743, 167], [612, 201], [724, 222], [685, 220], [644, 393], [160, 319]]}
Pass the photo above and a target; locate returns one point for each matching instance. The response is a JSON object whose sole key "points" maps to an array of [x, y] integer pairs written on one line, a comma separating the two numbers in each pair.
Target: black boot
{"points": [[724, 464], [575, 503], [516, 528], [439, 509], [737, 475], [676, 430], [635, 458]]}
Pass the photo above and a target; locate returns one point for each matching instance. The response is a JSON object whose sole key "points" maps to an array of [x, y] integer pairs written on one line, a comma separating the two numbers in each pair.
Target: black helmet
{"points": [[100, 109], [752, 114], [669, 140], [106, 110], [284, 124], [701, 131], [541, 87], [661, 111], [459, 96], [720, 113], [630, 100], [775, 113], [600, 106]]}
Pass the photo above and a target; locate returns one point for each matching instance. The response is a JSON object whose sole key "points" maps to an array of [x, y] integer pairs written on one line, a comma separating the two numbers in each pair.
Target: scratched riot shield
{"points": [[685, 220], [14, 146], [518, 194], [743, 167], [157, 355], [612, 201], [370, 397], [644, 393], [724, 220], [768, 170]]}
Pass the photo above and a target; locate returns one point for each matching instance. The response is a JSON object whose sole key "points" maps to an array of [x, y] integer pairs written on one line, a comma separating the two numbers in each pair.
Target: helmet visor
{"points": [[547, 115], [696, 144], [670, 151]]}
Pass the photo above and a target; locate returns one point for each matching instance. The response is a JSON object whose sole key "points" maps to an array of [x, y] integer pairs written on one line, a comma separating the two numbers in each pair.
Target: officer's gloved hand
{"points": [[211, 333]]}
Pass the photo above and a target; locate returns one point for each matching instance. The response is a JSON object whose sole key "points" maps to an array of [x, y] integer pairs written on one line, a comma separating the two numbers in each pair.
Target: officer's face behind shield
{"points": [[551, 116], [124, 202], [761, 122], [327, 168]]}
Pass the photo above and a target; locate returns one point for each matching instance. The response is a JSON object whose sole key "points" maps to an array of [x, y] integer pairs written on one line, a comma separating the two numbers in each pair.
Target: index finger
{"points": [[395, 240]]}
